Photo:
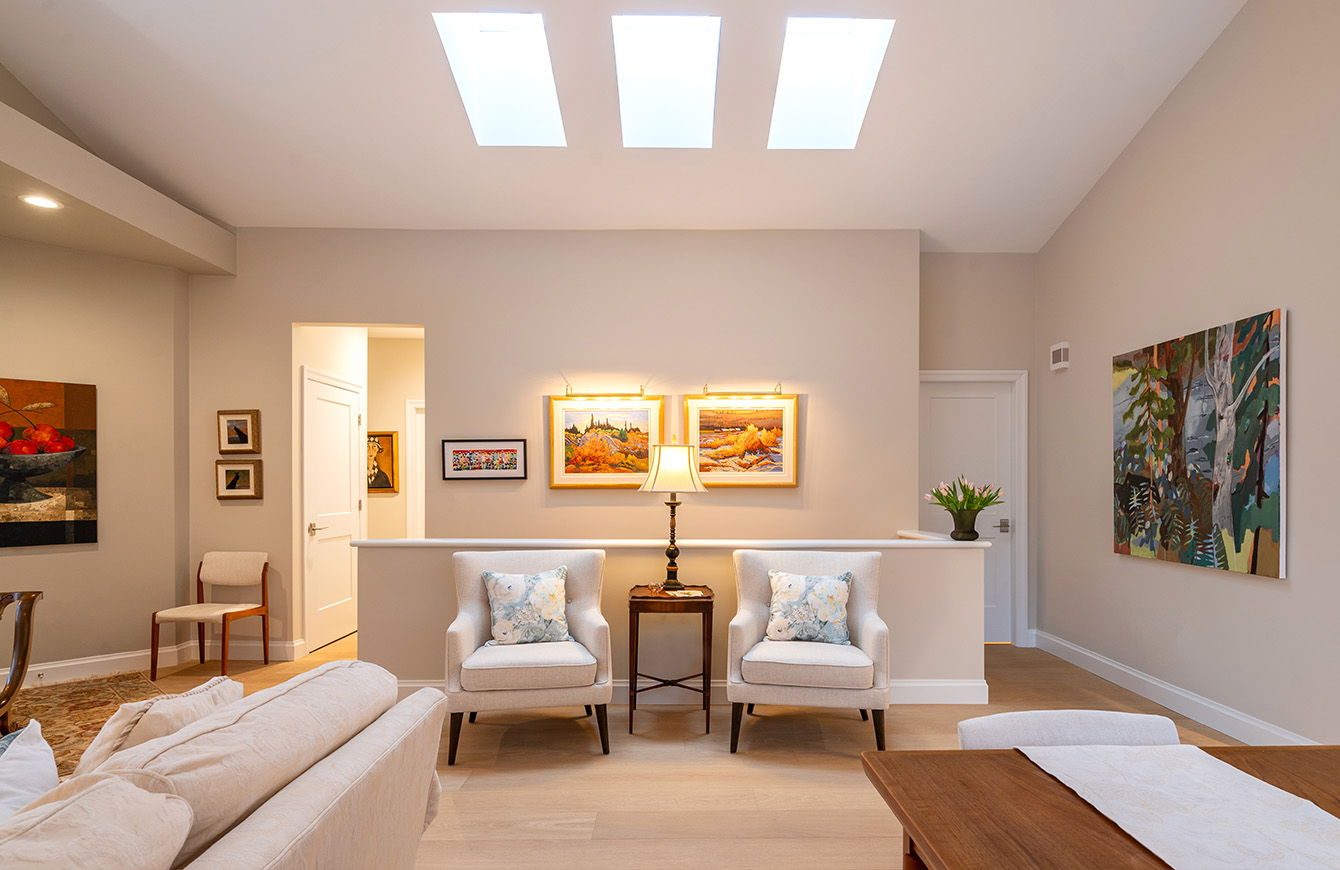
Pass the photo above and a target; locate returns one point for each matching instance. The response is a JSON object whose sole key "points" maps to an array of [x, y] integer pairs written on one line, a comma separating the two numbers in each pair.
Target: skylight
{"points": [[667, 71], [501, 64], [828, 72]]}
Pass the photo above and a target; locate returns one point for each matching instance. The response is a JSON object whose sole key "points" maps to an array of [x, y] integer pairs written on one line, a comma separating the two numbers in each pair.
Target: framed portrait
{"points": [[484, 459], [237, 478], [602, 441], [240, 431], [383, 462], [743, 440]]}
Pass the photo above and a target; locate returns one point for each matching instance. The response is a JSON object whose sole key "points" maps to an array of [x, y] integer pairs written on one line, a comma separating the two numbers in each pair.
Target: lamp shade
{"points": [[673, 468]]}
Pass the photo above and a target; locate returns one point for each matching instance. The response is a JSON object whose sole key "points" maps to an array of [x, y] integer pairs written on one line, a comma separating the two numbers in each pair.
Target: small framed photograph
{"points": [[602, 441], [240, 431], [744, 440], [484, 459], [383, 462], [237, 478]]}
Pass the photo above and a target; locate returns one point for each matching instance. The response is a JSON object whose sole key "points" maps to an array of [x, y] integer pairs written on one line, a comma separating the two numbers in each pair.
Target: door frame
{"points": [[306, 373], [1018, 379], [416, 472]]}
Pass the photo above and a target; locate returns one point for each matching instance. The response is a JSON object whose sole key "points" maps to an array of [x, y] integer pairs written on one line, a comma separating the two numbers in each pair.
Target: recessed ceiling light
{"points": [[40, 201], [828, 72], [501, 64], [666, 67]]}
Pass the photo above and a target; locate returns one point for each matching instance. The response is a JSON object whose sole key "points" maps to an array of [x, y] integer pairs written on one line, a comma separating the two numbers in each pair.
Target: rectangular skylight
{"points": [[667, 71], [501, 64], [828, 72]]}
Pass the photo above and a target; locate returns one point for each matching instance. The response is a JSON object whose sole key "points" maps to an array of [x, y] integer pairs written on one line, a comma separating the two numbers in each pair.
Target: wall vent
{"points": [[1061, 356]]}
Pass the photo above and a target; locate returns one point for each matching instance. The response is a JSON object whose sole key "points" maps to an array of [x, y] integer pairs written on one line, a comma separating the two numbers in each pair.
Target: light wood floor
{"points": [[253, 676], [531, 788]]}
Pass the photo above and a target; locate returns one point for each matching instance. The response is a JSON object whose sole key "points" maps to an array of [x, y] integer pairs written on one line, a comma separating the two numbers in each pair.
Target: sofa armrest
{"points": [[871, 635], [465, 635], [590, 628], [746, 629]]}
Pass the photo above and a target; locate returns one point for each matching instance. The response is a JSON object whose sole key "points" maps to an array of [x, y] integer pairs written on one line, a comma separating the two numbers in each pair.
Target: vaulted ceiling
{"points": [[989, 122]]}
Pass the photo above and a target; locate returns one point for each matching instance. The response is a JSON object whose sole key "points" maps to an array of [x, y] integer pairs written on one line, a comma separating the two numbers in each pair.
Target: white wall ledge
{"points": [[931, 541]]}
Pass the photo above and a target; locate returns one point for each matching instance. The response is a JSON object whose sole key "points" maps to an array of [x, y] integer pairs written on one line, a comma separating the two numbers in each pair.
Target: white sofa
{"points": [[323, 771]]}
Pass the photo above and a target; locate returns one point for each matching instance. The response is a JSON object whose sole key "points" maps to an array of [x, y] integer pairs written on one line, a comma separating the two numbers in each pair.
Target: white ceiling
{"points": [[989, 123]]}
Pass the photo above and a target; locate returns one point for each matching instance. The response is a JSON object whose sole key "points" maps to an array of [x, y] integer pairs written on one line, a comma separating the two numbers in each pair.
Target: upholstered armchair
{"points": [[1066, 728], [482, 677], [807, 673]]}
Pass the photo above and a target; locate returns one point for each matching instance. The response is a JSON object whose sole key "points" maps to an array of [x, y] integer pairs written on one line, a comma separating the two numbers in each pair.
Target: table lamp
{"points": [[673, 469]]}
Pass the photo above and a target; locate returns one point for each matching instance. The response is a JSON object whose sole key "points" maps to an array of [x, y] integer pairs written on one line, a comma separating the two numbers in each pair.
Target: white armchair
{"points": [[526, 675], [804, 673]]}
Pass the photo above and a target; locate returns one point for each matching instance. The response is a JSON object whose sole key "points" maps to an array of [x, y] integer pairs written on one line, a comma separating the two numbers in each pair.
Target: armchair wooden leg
{"points": [[455, 737], [602, 722], [878, 716], [200, 634], [750, 711], [223, 653], [736, 713], [588, 709], [473, 714], [864, 715], [153, 651], [265, 636]]}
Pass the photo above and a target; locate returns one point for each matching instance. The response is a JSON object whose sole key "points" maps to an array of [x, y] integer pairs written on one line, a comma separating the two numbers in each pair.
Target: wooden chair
{"points": [[220, 569], [23, 647]]}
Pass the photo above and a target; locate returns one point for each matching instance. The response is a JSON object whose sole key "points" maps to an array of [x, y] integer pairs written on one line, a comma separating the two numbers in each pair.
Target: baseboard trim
{"points": [[1234, 723], [938, 692], [169, 655]]}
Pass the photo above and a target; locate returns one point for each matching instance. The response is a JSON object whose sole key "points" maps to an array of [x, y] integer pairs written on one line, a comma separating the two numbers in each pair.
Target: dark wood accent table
{"points": [[992, 808], [643, 599]]}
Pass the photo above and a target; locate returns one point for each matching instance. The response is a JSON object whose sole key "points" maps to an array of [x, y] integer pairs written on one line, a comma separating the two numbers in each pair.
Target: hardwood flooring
{"points": [[253, 676], [531, 787]]}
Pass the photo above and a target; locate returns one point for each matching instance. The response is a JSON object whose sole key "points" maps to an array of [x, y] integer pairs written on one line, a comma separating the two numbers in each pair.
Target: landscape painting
{"points": [[1198, 448], [743, 441], [602, 441], [48, 463]]}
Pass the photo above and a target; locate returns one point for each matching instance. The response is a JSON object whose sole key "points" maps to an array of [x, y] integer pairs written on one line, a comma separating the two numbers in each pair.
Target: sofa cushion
{"points": [[806, 663], [141, 721], [559, 665], [27, 769], [232, 761], [98, 820], [809, 607], [528, 608]]}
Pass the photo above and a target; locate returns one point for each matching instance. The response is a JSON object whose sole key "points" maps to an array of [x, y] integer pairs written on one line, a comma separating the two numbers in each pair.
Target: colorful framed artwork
{"points": [[602, 441], [240, 431], [48, 463], [1198, 441], [383, 462], [744, 440], [484, 459], [237, 478]]}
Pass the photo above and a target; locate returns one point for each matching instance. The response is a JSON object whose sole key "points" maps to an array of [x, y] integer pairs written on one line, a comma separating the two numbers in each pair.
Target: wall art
{"points": [[744, 440], [48, 463], [1198, 447], [602, 441], [240, 431], [238, 478], [483, 459], [383, 462]]}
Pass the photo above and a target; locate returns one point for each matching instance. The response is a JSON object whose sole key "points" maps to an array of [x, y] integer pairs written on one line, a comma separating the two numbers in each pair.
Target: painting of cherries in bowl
{"points": [[30, 452]]}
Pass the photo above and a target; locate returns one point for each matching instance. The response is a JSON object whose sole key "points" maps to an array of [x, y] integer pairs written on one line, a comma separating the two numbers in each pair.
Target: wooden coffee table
{"points": [[644, 599], [994, 808]]}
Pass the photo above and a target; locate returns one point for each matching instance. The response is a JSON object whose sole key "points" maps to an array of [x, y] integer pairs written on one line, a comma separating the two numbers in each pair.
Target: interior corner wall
{"points": [[1225, 205], [510, 317], [88, 318], [977, 311], [395, 376]]}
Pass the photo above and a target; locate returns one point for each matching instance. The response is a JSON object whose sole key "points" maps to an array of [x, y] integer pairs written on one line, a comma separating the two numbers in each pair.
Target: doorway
{"points": [[975, 423]]}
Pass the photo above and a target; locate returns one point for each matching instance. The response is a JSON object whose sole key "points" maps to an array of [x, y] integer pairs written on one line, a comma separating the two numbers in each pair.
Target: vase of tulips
{"points": [[964, 501]]}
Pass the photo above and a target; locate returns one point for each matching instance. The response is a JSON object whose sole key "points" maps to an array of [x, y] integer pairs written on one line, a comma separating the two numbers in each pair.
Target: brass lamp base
{"points": [[672, 552]]}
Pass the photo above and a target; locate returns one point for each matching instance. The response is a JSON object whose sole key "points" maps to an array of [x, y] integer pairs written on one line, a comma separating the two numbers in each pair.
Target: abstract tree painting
{"points": [[1198, 448]]}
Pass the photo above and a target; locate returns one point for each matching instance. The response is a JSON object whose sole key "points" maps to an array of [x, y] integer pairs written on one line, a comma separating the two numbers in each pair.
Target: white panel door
{"points": [[333, 486], [968, 429]]}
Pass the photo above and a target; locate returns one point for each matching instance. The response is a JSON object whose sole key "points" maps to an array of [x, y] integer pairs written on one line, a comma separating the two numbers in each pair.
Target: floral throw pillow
{"points": [[809, 607], [528, 608]]}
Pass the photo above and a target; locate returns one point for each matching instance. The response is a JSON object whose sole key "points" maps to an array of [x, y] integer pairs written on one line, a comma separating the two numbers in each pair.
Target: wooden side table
{"points": [[643, 599]]}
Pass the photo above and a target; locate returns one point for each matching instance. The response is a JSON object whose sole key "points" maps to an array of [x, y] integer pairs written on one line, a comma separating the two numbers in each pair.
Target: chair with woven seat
{"points": [[806, 673], [220, 568], [1066, 728], [485, 676]]}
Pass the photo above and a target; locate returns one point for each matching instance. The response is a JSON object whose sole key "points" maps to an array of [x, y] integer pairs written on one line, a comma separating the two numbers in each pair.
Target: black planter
{"points": [[964, 521]]}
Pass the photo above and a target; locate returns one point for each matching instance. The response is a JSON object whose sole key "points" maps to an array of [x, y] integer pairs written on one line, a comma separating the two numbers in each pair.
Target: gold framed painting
{"points": [[744, 440], [240, 431], [237, 478], [383, 462], [602, 441]]}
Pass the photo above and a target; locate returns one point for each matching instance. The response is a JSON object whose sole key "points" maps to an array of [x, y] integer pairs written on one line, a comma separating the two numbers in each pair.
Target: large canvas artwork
{"points": [[48, 463], [1198, 448]]}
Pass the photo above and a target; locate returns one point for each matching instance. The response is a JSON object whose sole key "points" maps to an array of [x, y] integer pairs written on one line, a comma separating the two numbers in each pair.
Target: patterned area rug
{"points": [[72, 713]]}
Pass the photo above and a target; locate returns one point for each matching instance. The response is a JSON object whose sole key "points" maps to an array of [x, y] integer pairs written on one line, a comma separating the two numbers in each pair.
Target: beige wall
{"points": [[395, 375], [977, 311], [120, 325], [1225, 205], [509, 316]]}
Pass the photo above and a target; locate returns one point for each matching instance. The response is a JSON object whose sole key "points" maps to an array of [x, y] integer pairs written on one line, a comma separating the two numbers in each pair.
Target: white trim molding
{"points": [[938, 692], [1234, 723], [938, 543]]}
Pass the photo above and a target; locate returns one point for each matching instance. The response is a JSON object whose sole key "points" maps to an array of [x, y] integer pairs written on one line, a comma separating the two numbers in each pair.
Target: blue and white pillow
{"points": [[528, 608], [808, 607]]}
